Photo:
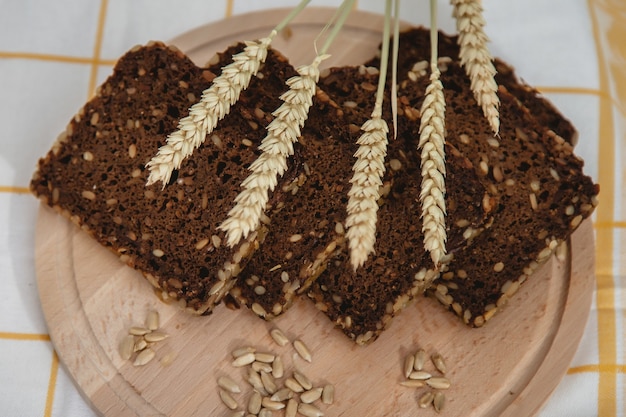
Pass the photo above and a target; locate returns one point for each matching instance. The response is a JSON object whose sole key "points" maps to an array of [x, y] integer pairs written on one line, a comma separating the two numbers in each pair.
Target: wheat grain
{"points": [[203, 116], [277, 145], [476, 58]]}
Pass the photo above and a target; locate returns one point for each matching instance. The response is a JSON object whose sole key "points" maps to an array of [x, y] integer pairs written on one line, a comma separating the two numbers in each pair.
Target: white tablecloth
{"points": [[54, 53]]}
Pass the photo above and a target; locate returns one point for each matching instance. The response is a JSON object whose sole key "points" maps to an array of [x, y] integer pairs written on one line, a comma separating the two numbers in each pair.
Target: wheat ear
{"points": [[214, 104], [476, 58], [277, 145], [368, 169], [203, 116], [433, 165], [363, 196]]}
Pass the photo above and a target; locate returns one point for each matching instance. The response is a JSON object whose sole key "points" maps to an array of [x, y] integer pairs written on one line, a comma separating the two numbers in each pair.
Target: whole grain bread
{"points": [[95, 173], [511, 200]]}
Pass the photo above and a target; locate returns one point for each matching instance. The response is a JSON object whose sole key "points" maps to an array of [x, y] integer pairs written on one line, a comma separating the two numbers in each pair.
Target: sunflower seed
{"points": [[152, 320], [138, 331], [311, 395], [439, 362], [413, 383], [303, 380], [242, 351], [409, 362], [268, 382], [420, 375], [293, 385], [243, 360], [126, 346], [228, 400], [328, 394], [309, 410], [420, 358], [278, 369], [144, 357], [260, 366], [426, 399], [156, 336], [302, 350], [438, 383], [264, 357], [439, 401], [238, 414], [279, 337], [140, 344], [228, 384], [282, 395], [254, 403], [254, 379], [292, 408], [272, 405], [265, 413]]}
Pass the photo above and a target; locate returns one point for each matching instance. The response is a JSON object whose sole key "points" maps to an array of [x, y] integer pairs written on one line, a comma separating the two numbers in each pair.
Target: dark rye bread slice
{"points": [[306, 236], [95, 174], [541, 194], [415, 47]]}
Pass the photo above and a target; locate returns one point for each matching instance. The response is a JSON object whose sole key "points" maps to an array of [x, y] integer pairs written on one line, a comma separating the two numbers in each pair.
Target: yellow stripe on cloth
{"points": [[600, 11], [52, 384], [606, 368], [14, 189], [54, 58], [608, 225], [230, 4], [25, 336], [93, 77]]}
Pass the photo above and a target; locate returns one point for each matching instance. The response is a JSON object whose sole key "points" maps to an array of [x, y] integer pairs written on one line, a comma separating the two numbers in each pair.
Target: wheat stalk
{"points": [[368, 169], [476, 58], [433, 165], [214, 105]]}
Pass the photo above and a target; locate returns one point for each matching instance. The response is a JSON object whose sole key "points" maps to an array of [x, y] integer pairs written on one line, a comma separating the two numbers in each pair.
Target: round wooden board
{"points": [[90, 299]]}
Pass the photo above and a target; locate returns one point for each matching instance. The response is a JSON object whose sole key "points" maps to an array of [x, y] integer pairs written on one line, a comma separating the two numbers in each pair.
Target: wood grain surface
{"points": [[90, 299]]}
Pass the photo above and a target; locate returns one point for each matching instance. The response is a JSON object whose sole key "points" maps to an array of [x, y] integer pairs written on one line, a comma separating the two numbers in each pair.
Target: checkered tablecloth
{"points": [[54, 53]]}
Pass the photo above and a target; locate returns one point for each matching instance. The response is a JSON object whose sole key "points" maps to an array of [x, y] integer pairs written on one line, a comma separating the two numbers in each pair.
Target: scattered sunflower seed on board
{"points": [[303, 350], [419, 359], [425, 399], [416, 376], [273, 386], [439, 401], [140, 339], [438, 362]]}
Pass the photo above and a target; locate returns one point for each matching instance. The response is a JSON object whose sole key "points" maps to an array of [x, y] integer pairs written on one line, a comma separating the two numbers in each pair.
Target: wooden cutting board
{"points": [[90, 299]]}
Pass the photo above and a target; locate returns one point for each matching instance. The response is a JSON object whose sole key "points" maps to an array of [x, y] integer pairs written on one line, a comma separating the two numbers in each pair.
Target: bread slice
{"points": [[540, 195], [95, 174]]}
